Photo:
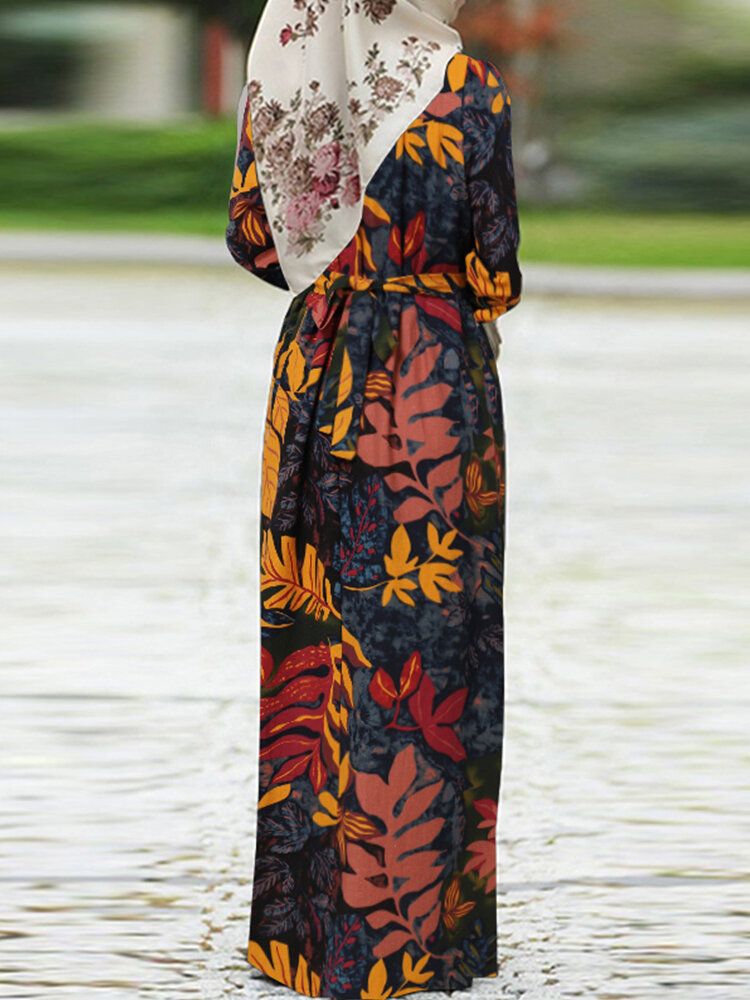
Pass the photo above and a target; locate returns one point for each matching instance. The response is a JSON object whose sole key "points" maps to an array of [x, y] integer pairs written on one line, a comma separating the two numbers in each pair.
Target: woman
{"points": [[374, 180]]}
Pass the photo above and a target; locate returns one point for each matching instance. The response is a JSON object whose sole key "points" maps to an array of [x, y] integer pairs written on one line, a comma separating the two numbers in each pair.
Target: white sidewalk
{"points": [[540, 279]]}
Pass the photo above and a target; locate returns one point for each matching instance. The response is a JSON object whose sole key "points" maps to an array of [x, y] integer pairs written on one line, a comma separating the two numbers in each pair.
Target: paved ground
{"points": [[129, 427], [704, 284]]}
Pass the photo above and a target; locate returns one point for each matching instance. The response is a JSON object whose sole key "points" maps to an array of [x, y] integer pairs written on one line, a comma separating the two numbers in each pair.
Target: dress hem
{"points": [[490, 973]]}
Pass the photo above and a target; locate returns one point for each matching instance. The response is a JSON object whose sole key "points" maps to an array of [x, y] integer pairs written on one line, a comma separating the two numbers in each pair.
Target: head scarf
{"points": [[331, 86]]}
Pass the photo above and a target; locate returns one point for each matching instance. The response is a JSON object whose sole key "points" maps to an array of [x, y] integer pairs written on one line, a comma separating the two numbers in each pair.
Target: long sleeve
{"points": [[492, 264], [248, 234]]}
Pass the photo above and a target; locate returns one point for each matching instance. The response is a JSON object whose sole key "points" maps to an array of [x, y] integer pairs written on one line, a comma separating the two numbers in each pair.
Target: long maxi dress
{"points": [[382, 556]]}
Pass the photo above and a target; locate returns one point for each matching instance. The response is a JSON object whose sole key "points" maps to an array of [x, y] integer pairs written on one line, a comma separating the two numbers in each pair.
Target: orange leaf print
{"points": [[377, 384], [453, 908], [411, 430], [476, 497], [295, 587], [484, 860], [405, 868]]}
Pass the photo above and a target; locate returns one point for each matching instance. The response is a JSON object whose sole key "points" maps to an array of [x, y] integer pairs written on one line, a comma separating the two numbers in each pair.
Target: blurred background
{"points": [[135, 360], [630, 120]]}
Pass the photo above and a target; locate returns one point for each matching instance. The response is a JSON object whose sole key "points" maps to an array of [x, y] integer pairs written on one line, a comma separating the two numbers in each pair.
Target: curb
{"points": [[559, 280]]}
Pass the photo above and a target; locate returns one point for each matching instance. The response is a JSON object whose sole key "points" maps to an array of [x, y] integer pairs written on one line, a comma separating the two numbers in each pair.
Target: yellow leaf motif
{"points": [[377, 384], [295, 367], [443, 138], [341, 424], [240, 184], [270, 473], [410, 142], [397, 565], [399, 562], [364, 246], [330, 818], [377, 982], [294, 590], [415, 973], [307, 983], [400, 588], [346, 680], [345, 378], [457, 68], [497, 104], [280, 412], [433, 575], [274, 795], [351, 825], [442, 547], [355, 647], [376, 208], [345, 773], [277, 966]]}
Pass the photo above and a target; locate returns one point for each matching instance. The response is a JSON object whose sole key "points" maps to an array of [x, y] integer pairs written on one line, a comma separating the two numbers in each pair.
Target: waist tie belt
{"points": [[347, 350]]}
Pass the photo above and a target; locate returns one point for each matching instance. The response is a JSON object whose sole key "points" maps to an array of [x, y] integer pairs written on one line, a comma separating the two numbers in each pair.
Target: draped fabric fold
{"points": [[344, 354]]}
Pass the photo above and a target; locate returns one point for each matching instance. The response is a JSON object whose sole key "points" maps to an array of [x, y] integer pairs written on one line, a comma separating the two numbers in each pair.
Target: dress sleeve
{"points": [[248, 234], [492, 264]]}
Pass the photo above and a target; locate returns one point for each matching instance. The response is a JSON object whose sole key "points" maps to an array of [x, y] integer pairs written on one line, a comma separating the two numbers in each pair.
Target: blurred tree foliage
{"points": [[634, 107], [637, 106]]}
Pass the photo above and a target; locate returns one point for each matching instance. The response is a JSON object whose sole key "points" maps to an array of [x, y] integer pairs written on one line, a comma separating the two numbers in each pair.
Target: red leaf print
{"points": [[444, 473], [449, 710], [436, 723], [451, 499], [293, 719], [266, 665], [420, 705], [419, 260], [411, 673], [403, 867], [412, 510], [445, 741], [414, 236], [441, 309], [398, 481], [487, 808], [431, 920], [413, 434], [382, 689], [292, 769], [484, 860], [317, 771], [287, 746], [394, 246], [391, 943], [267, 258]]}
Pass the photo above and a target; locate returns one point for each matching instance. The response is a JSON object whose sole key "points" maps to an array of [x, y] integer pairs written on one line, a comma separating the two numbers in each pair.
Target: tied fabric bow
{"points": [[336, 301]]}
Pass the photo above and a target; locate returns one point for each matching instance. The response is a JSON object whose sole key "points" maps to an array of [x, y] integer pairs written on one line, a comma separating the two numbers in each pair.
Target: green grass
{"points": [[176, 180], [638, 240]]}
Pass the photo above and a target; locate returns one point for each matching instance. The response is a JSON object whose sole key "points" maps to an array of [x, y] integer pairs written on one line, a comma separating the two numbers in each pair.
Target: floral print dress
{"points": [[381, 577]]}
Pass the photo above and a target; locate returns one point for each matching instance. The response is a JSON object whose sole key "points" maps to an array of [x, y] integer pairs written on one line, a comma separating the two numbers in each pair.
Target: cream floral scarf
{"points": [[331, 86]]}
